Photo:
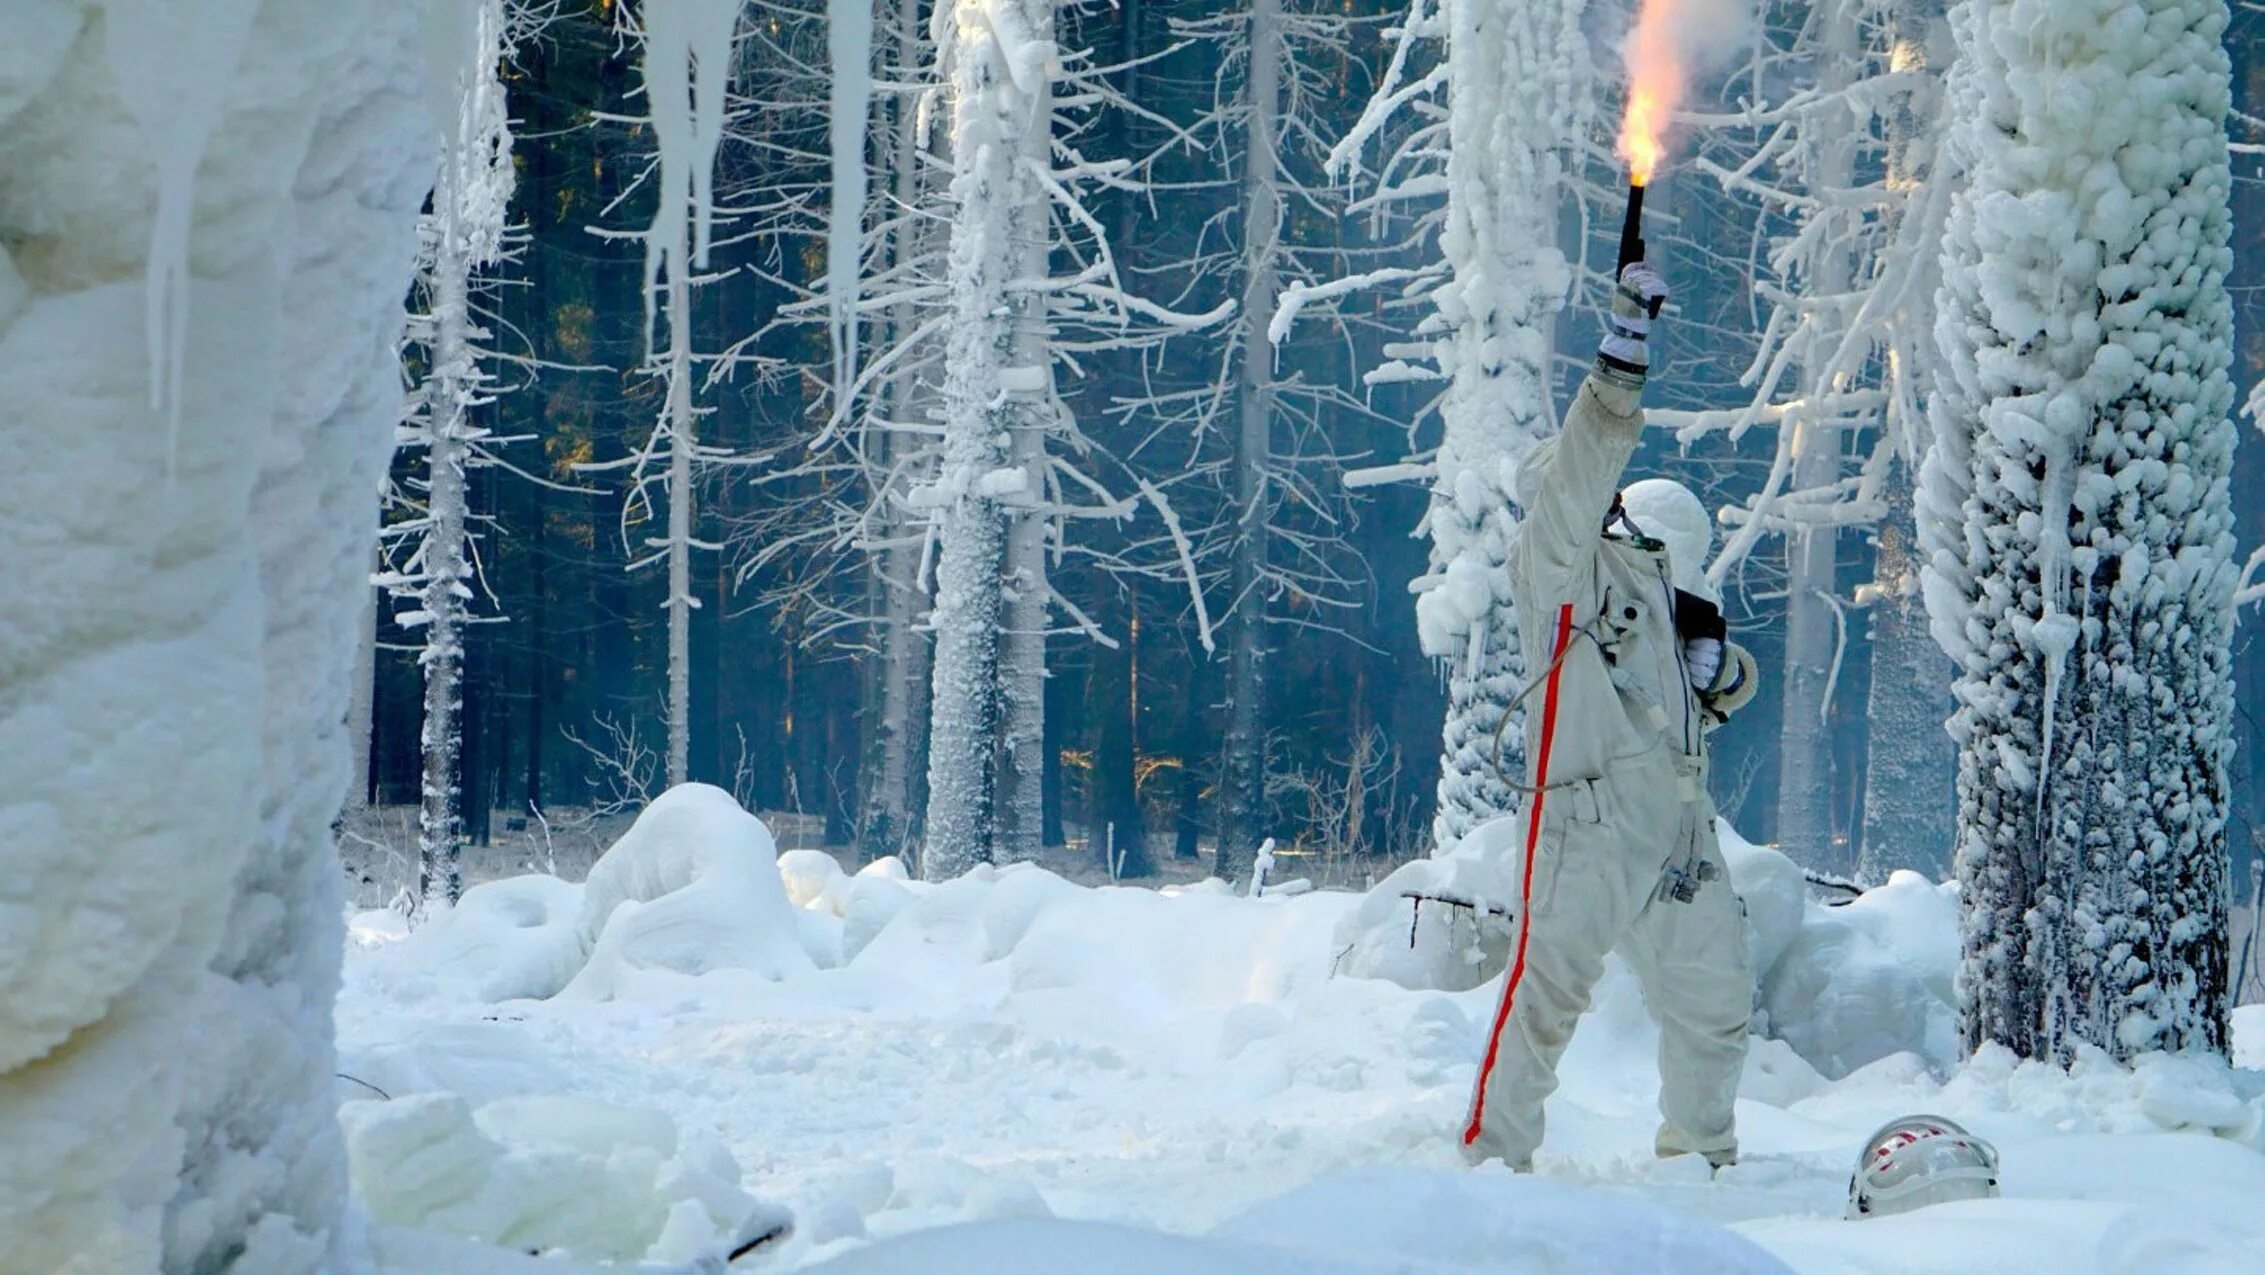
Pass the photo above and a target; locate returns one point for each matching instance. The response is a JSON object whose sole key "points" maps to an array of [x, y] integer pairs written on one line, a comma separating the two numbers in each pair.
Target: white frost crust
{"points": [[171, 748]]}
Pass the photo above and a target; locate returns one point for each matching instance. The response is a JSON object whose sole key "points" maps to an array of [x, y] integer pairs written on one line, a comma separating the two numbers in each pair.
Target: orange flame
{"points": [[1639, 136], [1655, 87]]}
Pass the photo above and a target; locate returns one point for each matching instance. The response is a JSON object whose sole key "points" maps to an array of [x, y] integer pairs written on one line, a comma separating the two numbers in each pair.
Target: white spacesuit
{"points": [[1618, 833]]}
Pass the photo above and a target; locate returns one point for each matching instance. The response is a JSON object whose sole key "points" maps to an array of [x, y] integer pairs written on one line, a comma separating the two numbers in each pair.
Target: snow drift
{"points": [[693, 887], [1369, 1222]]}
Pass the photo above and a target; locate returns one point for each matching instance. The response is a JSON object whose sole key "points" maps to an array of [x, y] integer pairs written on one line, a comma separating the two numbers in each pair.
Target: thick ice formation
{"points": [[183, 599]]}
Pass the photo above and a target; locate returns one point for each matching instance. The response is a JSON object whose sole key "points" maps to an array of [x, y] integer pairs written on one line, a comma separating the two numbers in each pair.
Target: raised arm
{"points": [[1566, 485]]}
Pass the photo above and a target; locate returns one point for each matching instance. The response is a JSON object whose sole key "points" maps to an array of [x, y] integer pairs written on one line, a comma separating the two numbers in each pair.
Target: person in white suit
{"points": [[1633, 668]]}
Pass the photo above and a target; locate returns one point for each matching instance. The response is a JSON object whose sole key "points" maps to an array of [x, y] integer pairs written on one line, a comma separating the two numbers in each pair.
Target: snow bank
{"points": [[1369, 1222], [549, 1174], [692, 887]]}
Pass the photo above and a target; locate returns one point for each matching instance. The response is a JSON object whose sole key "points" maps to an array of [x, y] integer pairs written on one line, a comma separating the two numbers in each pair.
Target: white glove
{"points": [[1623, 358], [1703, 657]]}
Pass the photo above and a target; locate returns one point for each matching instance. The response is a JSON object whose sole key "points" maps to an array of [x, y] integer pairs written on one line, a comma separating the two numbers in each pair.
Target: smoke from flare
{"points": [[1673, 40]]}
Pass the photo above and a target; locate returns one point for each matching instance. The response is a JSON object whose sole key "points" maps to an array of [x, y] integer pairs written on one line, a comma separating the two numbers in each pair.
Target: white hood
{"points": [[1667, 511]]}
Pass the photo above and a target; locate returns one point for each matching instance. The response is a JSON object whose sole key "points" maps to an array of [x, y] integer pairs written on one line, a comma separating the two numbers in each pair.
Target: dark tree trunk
{"points": [[1114, 827]]}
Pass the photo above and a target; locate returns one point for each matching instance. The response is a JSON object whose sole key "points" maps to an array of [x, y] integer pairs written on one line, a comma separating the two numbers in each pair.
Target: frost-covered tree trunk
{"points": [[1910, 765], [1805, 746], [899, 737], [446, 588], [683, 435], [1022, 657], [1516, 77], [2076, 520], [224, 200], [997, 392], [1910, 762], [361, 710], [462, 235], [1242, 788]]}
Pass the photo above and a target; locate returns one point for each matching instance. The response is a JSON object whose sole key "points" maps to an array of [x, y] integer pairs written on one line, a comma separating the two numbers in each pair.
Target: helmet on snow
{"points": [[1917, 1161]]}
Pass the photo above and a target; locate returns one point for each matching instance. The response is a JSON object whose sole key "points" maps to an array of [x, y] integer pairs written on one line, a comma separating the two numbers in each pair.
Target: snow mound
{"points": [[1032, 1246], [549, 1174], [813, 879], [504, 940], [1843, 985], [1444, 947], [1870, 978], [692, 887]]}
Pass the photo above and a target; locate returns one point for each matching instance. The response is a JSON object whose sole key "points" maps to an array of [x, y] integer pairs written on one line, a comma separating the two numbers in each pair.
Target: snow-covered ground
{"points": [[1124, 1079]]}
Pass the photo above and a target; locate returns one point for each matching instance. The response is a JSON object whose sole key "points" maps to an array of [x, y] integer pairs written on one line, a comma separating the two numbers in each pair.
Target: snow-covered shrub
{"points": [[1438, 944], [1448, 946], [548, 1174], [813, 878], [504, 940], [693, 886], [1870, 978], [1775, 893]]}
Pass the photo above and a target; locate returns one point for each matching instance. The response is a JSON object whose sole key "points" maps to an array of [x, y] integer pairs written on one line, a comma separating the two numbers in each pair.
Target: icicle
{"points": [[849, 42], [688, 122], [173, 61]]}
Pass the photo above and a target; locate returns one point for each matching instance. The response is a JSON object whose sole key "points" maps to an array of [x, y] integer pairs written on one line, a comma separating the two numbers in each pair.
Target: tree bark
{"points": [[998, 393], [1812, 628], [1242, 794]]}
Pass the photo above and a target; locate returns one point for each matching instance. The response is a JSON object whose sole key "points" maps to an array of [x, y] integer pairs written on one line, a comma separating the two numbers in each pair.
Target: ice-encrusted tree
{"points": [[997, 58], [853, 157], [1518, 81], [200, 372], [1012, 468], [2077, 523], [1909, 760], [434, 571]]}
